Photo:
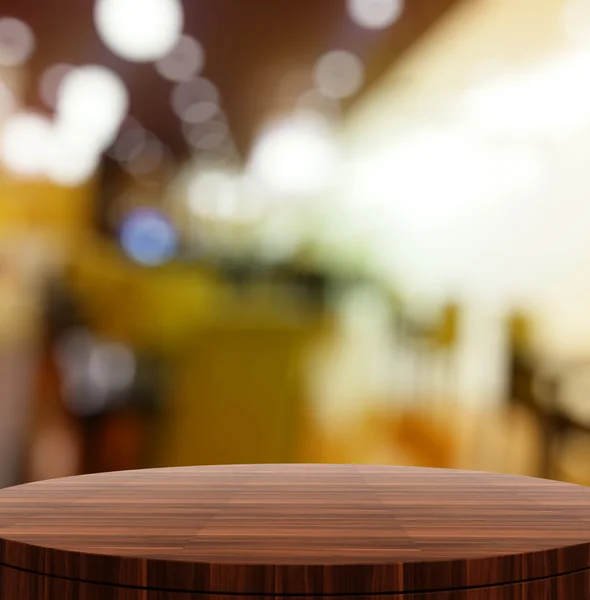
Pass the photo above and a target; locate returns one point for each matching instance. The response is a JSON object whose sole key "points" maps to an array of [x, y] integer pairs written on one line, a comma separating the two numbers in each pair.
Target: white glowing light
{"points": [[185, 61], [339, 74], [50, 83], [111, 368], [375, 14], [253, 200], [17, 42], [395, 178], [92, 371], [139, 30], [224, 195], [25, 141], [68, 163], [296, 157], [32, 146], [92, 103], [213, 194], [195, 101]]}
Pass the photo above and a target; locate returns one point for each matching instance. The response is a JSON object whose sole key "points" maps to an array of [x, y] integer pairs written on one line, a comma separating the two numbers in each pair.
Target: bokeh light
{"points": [[149, 238], [92, 103], [25, 142], [195, 101], [68, 163], [94, 372], [213, 194], [17, 42], [185, 61], [31, 146], [375, 14], [295, 157], [139, 30], [339, 74], [225, 195], [111, 367]]}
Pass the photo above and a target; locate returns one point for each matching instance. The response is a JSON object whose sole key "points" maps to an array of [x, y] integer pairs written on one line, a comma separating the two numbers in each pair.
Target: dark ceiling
{"points": [[251, 45]]}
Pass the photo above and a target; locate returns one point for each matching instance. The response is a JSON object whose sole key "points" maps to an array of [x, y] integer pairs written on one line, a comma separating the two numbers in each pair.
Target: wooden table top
{"points": [[297, 529]]}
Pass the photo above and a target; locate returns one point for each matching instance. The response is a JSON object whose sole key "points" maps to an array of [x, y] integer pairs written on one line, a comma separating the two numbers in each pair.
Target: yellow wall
{"points": [[46, 208], [238, 398]]}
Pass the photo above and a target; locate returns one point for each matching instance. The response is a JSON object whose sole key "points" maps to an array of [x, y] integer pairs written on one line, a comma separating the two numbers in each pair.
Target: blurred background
{"points": [[249, 231]]}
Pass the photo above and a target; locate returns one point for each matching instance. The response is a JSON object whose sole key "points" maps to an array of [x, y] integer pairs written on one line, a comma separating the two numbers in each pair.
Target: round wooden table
{"points": [[295, 530]]}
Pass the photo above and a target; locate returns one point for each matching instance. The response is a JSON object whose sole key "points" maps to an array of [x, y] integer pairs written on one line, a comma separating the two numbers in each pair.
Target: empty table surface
{"points": [[298, 529]]}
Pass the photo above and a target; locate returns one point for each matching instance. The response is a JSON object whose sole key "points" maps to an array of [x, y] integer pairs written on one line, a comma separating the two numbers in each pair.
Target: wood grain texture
{"points": [[301, 529]]}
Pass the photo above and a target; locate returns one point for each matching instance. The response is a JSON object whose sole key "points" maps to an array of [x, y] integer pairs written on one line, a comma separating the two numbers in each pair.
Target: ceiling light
{"points": [[339, 74], [195, 101], [17, 42], [375, 14], [185, 61], [139, 30], [92, 103]]}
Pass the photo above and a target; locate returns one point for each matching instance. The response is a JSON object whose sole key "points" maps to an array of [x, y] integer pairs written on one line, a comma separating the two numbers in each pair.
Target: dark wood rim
{"points": [[34, 586], [583, 574]]}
